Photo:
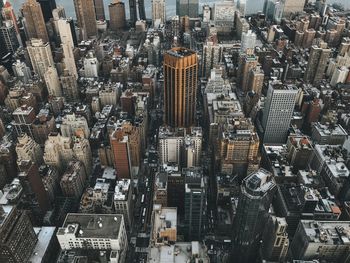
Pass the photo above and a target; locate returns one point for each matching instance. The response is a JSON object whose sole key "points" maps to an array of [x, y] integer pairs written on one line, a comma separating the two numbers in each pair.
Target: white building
{"points": [[158, 10], [28, 149], [52, 82], [224, 13], [73, 125], [248, 40], [206, 13], [96, 232], [40, 56], [22, 71], [278, 111], [339, 76], [91, 65], [123, 202]]}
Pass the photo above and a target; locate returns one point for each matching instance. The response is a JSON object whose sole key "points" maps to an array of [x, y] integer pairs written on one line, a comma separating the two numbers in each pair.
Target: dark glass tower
{"points": [[252, 213], [47, 6]]}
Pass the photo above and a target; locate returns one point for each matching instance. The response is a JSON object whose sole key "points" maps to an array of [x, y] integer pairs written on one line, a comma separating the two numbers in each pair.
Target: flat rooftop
{"points": [[92, 225], [180, 52], [45, 235]]}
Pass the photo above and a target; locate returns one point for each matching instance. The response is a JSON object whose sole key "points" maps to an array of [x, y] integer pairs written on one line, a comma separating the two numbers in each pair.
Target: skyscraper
{"points": [[158, 10], [34, 22], [40, 56], [116, 15], [86, 16], [52, 82], [46, 7], [293, 6], [247, 62], [187, 8], [134, 5], [133, 11], [142, 11], [9, 36], [15, 247], [180, 87], [252, 213], [99, 10], [278, 111], [317, 63]]}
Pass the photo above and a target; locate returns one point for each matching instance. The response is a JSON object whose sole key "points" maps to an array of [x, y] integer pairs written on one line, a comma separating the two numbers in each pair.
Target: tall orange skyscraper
{"points": [[180, 86]]}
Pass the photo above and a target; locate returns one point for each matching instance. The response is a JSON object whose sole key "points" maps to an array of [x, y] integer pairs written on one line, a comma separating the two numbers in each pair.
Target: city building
{"points": [[40, 55], [73, 180], [317, 63], [292, 6], [278, 111], [160, 189], [158, 11], [86, 17], [34, 22], [91, 65], [8, 35], [22, 71], [275, 242], [273, 10], [195, 202], [52, 82], [69, 85], [123, 200], [116, 15], [321, 240], [188, 8], [28, 149], [223, 16], [95, 232], [23, 118], [300, 151], [247, 62], [211, 56], [14, 247], [47, 6], [164, 225], [74, 125], [248, 40], [331, 134], [180, 94], [99, 10], [251, 216]]}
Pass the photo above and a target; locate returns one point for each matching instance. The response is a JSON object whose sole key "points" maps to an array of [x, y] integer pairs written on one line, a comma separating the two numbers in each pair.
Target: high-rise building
{"points": [[195, 202], [34, 22], [28, 149], [52, 82], [8, 35], [40, 56], [91, 65], [36, 197], [252, 7], [278, 111], [99, 10], [69, 86], [74, 125], [158, 10], [15, 247], [339, 76], [293, 6], [251, 216], [8, 13], [82, 152], [86, 16], [273, 10], [187, 8], [275, 240], [180, 87], [317, 63], [133, 11], [47, 6], [224, 16], [116, 15], [21, 71], [7, 162], [248, 40], [123, 201], [247, 62], [255, 80], [73, 180], [141, 8], [211, 56], [67, 43]]}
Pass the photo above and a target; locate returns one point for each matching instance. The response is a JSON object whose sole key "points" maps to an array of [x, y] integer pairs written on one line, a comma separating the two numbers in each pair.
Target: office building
{"points": [[254, 202], [160, 189], [73, 180], [300, 151], [43, 125], [252, 7], [7, 162], [86, 17], [28, 149], [23, 118], [317, 63], [323, 240], [40, 56], [293, 6], [211, 57], [91, 65], [52, 82], [99, 10], [273, 10], [247, 61], [82, 152], [180, 94], [95, 232], [117, 18], [8, 13], [275, 242], [74, 125], [67, 44], [238, 146], [123, 200], [8, 35], [158, 11], [224, 16], [34, 22], [339, 76], [248, 40], [278, 111], [35, 196], [331, 134], [255, 80], [164, 225], [22, 71], [195, 202], [14, 247], [133, 11], [188, 8], [47, 6], [69, 86]]}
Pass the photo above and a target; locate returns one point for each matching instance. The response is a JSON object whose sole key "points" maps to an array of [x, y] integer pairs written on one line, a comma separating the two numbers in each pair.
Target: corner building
{"points": [[180, 86]]}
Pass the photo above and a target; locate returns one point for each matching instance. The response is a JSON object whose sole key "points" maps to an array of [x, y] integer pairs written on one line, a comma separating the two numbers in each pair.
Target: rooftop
{"points": [[121, 189], [45, 235], [92, 225], [180, 52]]}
